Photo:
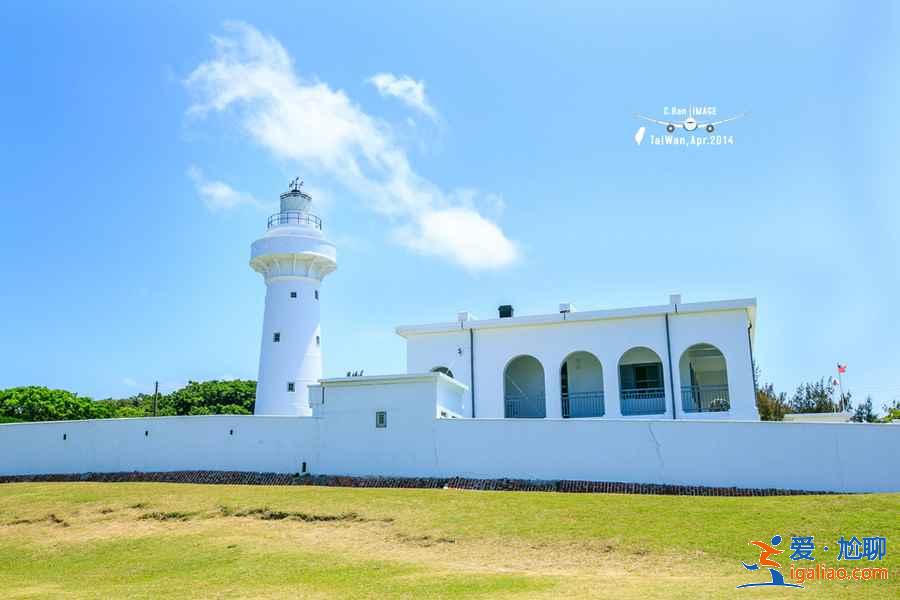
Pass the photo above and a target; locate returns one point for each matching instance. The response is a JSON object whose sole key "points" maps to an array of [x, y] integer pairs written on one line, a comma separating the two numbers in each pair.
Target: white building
{"points": [[622, 363]]}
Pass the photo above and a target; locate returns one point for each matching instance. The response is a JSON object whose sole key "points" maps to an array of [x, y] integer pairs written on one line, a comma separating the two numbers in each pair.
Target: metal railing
{"points": [[519, 406], [705, 398], [582, 404], [643, 401], [294, 217]]}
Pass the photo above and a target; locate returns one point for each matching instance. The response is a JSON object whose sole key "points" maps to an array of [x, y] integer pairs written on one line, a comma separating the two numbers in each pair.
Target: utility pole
{"points": [[155, 398]]}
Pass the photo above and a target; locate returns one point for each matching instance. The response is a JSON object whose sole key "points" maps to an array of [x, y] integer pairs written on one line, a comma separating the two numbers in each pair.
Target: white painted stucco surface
{"points": [[221, 442], [342, 439], [608, 336], [294, 258]]}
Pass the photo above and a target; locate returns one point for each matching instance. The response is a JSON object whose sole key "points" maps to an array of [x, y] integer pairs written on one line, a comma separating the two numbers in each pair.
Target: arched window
{"points": [[581, 386], [704, 379], [523, 388], [641, 387], [443, 370]]}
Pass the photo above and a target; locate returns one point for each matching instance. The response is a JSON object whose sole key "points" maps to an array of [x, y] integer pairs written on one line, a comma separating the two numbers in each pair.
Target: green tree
{"points": [[864, 412], [771, 406], [891, 412], [814, 397], [140, 405], [36, 403], [235, 397]]}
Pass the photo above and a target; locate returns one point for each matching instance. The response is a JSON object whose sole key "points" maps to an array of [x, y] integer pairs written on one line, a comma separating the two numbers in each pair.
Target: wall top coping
{"points": [[151, 420], [748, 304], [402, 378]]}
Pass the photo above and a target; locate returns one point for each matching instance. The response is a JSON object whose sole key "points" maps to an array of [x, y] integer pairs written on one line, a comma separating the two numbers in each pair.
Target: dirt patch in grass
{"points": [[407, 543], [50, 518], [267, 514], [263, 513], [426, 541], [167, 516]]}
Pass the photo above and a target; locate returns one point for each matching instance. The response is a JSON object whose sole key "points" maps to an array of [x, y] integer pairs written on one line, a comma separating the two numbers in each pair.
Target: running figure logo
{"points": [[767, 550]]}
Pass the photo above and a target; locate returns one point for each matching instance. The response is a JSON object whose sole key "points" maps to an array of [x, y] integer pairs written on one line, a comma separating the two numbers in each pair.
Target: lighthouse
{"points": [[293, 258]]}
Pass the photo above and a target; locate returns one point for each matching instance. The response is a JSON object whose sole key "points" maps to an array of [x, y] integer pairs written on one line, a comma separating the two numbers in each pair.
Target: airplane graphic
{"points": [[690, 123]]}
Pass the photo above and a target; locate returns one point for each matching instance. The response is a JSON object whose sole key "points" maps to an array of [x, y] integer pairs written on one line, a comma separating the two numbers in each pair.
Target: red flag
{"points": [[842, 368]]}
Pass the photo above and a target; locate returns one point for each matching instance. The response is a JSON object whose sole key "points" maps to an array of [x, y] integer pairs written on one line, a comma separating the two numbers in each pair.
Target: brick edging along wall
{"points": [[512, 485]]}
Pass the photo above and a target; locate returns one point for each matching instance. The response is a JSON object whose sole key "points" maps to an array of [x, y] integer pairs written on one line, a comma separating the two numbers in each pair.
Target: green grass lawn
{"points": [[116, 540]]}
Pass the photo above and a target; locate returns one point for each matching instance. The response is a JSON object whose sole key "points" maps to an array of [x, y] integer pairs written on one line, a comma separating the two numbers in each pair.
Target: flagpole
{"points": [[841, 386]]}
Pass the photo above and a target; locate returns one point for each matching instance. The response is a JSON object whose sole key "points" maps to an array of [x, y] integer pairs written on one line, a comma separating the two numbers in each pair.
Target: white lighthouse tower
{"points": [[294, 257]]}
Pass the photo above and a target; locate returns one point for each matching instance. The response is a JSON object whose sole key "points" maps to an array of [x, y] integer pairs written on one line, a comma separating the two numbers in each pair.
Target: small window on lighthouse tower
{"points": [[293, 294], [276, 337], [318, 341], [290, 386], [317, 294]]}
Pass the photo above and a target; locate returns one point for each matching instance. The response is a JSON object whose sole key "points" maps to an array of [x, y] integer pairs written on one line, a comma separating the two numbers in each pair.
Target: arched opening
{"points": [[443, 370], [641, 387], [523, 389], [581, 386], [704, 379]]}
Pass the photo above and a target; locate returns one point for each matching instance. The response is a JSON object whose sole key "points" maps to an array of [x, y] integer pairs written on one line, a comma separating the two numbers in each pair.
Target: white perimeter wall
{"points": [[804, 456], [234, 443], [343, 440], [752, 454]]}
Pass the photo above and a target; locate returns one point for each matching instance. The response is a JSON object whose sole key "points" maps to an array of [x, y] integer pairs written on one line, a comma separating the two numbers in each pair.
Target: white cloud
{"points": [[459, 234], [219, 196], [307, 122], [406, 89], [129, 382]]}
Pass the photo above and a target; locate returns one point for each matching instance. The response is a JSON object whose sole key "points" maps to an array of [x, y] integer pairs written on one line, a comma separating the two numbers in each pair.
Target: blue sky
{"points": [[492, 162]]}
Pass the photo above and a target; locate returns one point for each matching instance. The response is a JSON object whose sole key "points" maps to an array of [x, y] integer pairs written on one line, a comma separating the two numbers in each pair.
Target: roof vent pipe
{"points": [[506, 311]]}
